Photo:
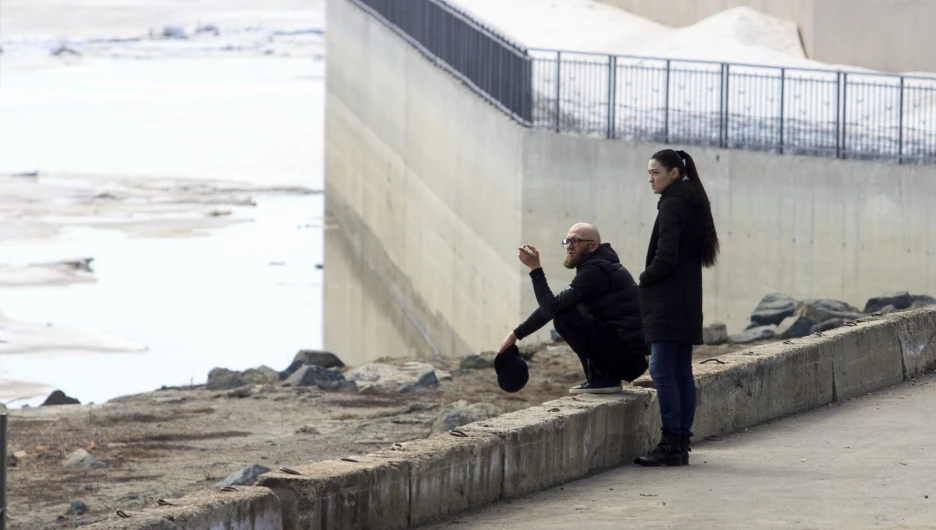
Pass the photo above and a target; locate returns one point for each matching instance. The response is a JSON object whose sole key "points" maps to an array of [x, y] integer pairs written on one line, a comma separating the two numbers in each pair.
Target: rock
{"points": [[291, 369], [427, 380], [246, 476], [174, 32], [19, 455], [264, 389], [795, 327], [772, 309], [573, 377], [59, 398], [224, 379], [900, 300], [307, 430], [886, 310], [261, 375], [324, 378], [828, 324], [81, 459], [462, 413], [207, 28], [389, 377], [12, 460], [241, 392], [754, 335], [475, 362], [319, 358], [47, 456], [715, 333], [77, 508], [922, 300], [555, 336], [88, 487], [63, 50], [826, 309]]}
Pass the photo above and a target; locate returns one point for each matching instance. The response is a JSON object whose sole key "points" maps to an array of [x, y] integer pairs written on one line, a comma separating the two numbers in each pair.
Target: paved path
{"points": [[866, 463]]}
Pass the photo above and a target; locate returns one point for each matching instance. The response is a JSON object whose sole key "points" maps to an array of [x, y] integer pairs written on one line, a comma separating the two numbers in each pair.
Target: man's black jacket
{"points": [[602, 288]]}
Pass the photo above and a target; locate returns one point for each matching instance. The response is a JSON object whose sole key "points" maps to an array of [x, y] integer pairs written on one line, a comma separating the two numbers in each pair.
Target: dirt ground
{"points": [[174, 441]]}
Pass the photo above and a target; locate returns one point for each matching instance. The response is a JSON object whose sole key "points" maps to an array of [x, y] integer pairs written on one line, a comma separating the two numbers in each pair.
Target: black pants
{"points": [[603, 355]]}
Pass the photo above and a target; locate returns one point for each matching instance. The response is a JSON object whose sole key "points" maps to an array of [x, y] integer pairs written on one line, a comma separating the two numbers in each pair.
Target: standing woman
{"points": [[684, 240]]}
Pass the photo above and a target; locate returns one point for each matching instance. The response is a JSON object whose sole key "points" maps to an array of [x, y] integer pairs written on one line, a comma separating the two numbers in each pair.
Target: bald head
{"points": [[585, 231], [582, 239]]}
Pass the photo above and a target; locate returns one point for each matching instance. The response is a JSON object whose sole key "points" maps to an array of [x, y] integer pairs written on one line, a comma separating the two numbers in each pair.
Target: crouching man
{"points": [[598, 315]]}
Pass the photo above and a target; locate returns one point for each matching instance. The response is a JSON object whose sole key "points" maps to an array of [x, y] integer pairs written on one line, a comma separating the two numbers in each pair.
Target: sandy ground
{"points": [[175, 441]]}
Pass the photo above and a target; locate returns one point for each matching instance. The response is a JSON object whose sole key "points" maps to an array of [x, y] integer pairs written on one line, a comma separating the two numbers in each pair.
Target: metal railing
{"points": [[740, 106], [785, 110], [495, 67]]}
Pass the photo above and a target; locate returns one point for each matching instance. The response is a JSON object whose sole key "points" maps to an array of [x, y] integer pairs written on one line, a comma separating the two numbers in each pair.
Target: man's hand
{"points": [[529, 256], [508, 342]]}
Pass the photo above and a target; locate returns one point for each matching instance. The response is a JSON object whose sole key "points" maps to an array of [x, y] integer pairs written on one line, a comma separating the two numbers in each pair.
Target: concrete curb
{"points": [[248, 508], [533, 449]]}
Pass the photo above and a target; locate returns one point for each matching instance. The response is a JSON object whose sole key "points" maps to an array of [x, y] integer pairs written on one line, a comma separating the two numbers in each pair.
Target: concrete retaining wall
{"points": [[423, 185], [526, 451], [529, 450], [430, 190], [827, 27]]}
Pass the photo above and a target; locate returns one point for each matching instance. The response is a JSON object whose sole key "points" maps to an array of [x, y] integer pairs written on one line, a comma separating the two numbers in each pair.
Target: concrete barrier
{"points": [[568, 438], [916, 333], [760, 384], [364, 492], [248, 508], [449, 474]]}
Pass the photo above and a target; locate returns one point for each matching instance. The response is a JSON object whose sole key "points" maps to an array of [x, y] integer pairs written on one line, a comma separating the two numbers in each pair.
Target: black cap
{"points": [[512, 370]]}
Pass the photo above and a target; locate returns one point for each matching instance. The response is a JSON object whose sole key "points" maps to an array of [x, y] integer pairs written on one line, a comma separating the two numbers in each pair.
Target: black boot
{"points": [[684, 449], [667, 453]]}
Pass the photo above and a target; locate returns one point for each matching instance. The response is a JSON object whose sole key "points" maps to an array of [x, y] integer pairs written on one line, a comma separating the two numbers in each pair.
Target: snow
{"points": [[661, 93], [176, 164]]}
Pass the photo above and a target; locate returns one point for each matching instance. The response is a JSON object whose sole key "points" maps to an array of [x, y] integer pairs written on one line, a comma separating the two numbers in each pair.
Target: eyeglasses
{"points": [[571, 242]]}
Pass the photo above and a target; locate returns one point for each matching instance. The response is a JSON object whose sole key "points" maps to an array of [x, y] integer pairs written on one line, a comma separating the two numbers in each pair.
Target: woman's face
{"points": [[660, 178]]}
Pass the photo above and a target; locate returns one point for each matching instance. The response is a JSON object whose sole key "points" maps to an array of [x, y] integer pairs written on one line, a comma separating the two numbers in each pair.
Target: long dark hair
{"points": [[669, 159]]}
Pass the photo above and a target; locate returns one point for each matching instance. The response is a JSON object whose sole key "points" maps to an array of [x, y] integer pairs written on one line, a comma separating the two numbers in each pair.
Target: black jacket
{"points": [[602, 288], [671, 287]]}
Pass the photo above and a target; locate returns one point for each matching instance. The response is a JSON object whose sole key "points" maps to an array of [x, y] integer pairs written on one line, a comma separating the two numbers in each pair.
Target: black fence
{"points": [[785, 110], [497, 68]]}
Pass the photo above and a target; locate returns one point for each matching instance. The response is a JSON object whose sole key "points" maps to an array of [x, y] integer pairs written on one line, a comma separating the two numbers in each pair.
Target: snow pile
{"points": [[660, 91], [582, 25], [738, 35]]}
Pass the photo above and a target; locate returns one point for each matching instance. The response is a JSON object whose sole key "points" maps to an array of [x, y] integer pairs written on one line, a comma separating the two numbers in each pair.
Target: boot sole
{"points": [[661, 464], [612, 390]]}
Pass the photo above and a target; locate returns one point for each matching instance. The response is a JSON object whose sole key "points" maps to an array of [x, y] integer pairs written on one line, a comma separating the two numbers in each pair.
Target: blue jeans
{"points": [[671, 370]]}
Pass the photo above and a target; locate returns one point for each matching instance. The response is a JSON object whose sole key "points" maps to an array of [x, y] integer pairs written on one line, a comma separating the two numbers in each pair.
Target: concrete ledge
{"points": [[758, 385], [916, 333], [449, 474], [568, 438], [866, 357], [370, 492], [245, 509]]}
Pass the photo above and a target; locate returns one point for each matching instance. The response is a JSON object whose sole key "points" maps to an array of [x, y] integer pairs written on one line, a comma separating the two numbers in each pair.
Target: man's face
{"points": [[578, 246]]}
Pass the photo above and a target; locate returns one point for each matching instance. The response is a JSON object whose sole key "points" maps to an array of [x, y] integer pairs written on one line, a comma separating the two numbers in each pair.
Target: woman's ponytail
{"points": [[710, 244]]}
